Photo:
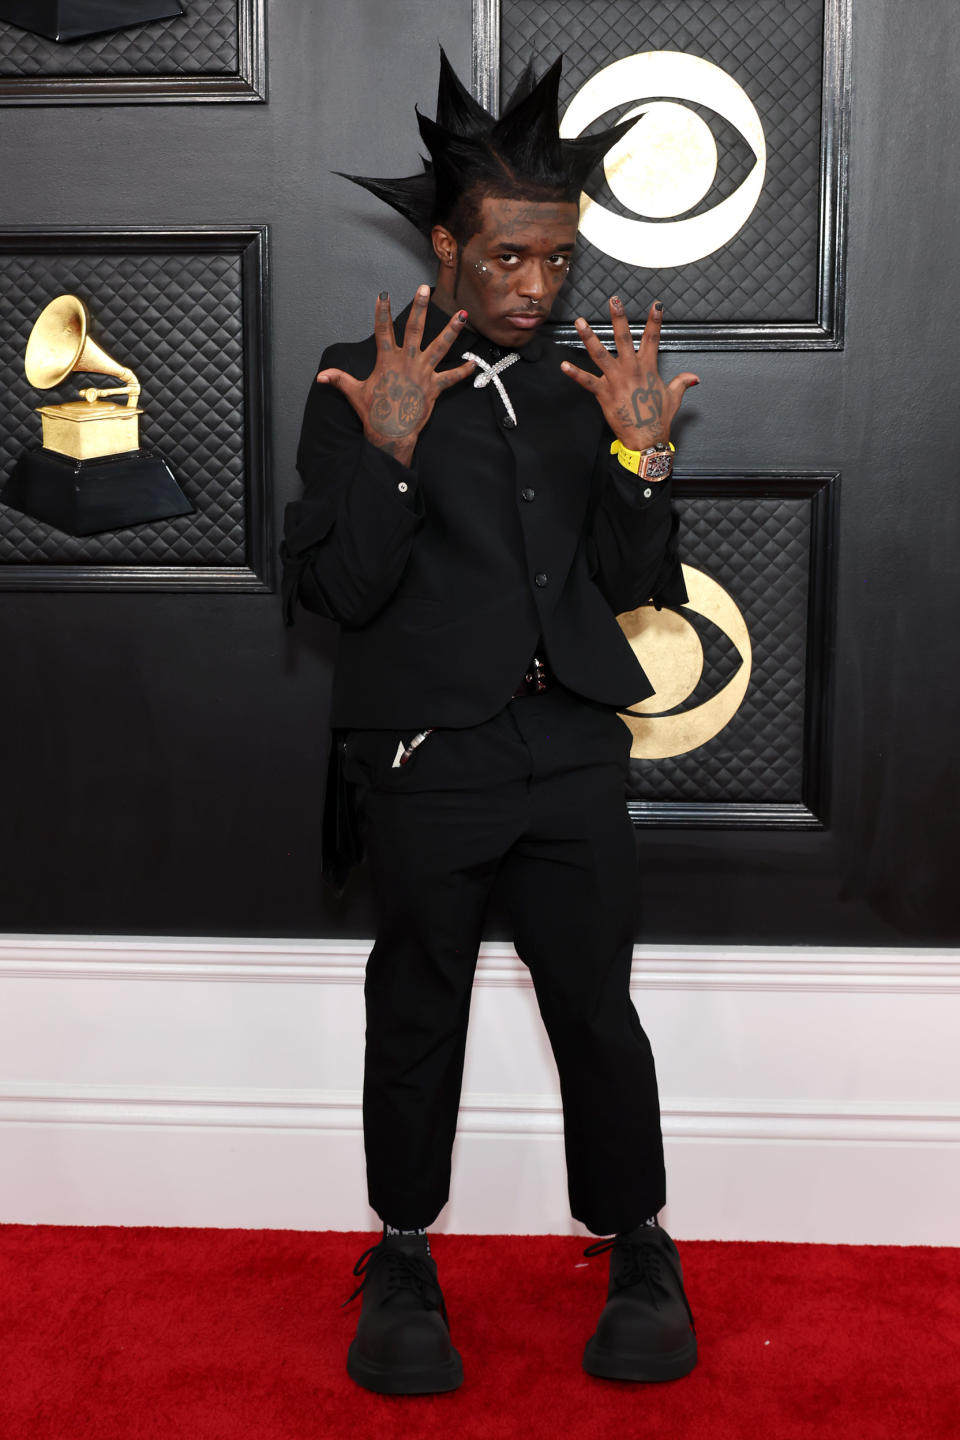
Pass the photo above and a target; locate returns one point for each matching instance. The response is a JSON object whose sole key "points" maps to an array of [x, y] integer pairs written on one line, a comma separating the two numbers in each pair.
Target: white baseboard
{"points": [[506, 1116], [332, 962], [790, 1111]]}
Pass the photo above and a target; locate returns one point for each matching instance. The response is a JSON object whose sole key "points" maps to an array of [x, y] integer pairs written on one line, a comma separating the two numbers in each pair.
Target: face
{"points": [[511, 271]]}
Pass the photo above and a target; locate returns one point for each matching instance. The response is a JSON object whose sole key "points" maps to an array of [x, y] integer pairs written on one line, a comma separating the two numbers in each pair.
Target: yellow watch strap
{"points": [[630, 459]]}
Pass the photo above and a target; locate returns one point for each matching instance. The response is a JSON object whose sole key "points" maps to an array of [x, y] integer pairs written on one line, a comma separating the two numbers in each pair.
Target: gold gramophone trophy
{"points": [[91, 474], [74, 19]]}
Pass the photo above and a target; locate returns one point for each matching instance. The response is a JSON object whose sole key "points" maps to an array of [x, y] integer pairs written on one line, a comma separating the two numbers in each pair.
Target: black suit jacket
{"points": [[445, 577]]}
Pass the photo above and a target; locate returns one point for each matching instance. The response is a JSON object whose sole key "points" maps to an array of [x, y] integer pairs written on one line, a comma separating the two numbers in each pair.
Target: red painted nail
{"points": [[461, 314]]}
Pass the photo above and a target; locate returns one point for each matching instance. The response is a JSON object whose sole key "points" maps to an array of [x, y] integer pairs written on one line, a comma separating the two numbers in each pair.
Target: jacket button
{"points": [[527, 494], [508, 422], [540, 580]]}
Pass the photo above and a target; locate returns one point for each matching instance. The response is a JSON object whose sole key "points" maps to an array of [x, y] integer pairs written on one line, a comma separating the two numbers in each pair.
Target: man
{"points": [[477, 511]]}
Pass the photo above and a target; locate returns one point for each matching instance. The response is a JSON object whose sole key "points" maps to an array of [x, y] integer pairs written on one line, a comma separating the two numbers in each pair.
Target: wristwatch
{"points": [[653, 463]]}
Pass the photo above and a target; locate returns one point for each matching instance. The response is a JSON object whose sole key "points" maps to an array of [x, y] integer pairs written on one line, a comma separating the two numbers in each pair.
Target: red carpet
{"points": [[156, 1334]]}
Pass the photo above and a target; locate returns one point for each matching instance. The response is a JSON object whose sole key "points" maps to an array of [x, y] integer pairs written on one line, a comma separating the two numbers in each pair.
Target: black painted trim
{"points": [[250, 243], [248, 83], [827, 331], [822, 489]]}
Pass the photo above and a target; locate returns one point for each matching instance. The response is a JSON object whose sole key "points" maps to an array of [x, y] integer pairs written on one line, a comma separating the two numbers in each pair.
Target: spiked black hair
{"points": [[471, 155]]}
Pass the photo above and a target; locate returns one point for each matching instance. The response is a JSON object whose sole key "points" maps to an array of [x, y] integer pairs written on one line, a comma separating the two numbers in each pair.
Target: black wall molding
{"points": [[214, 53]]}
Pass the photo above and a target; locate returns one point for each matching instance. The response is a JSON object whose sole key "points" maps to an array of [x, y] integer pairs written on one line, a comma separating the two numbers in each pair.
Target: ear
{"points": [[444, 246]]}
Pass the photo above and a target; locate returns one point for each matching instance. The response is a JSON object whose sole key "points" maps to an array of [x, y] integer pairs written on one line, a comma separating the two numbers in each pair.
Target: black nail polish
{"points": [[658, 305], [383, 295]]}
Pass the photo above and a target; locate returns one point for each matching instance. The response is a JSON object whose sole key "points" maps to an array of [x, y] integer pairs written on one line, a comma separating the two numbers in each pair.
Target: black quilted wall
{"points": [[202, 41], [768, 272]]}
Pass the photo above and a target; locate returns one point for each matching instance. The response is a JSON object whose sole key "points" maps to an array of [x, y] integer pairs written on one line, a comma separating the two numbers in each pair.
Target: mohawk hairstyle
{"points": [[472, 155]]}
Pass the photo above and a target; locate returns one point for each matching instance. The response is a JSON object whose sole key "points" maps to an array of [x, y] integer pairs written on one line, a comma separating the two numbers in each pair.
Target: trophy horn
{"points": [[60, 342]]}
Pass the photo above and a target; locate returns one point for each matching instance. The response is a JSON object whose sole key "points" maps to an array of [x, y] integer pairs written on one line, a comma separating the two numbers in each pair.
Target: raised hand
{"points": [[397, 398], [638, 406]]}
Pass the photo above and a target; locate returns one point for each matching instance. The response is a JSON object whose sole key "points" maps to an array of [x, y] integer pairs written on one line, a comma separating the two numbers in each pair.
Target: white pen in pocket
{"points": [[405, 751]]}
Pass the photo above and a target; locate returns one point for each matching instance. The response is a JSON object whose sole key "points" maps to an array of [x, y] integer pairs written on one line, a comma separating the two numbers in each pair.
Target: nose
{"points": [[533, 281]]}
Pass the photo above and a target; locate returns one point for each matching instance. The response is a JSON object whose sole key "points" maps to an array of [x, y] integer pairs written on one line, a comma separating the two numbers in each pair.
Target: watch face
{"points": [[657, 467]]}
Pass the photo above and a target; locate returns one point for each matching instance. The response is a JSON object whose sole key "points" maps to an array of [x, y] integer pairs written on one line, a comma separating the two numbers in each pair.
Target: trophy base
{"points": [[85, 497], [75, 19]]}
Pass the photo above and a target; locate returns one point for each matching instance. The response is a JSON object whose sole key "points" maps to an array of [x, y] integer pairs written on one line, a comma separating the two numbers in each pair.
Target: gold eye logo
{"points": [[667, 162], [671, 653]]}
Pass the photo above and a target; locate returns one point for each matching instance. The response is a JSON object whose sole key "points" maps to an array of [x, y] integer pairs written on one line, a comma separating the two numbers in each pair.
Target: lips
{"points": [[524, 322]]}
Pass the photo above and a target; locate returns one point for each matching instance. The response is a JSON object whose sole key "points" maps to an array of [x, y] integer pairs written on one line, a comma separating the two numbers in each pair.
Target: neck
{"points": [[443, 296]]}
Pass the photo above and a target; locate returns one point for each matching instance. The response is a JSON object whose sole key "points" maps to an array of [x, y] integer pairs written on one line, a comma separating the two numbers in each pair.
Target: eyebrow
{"points": [[518, 248]]}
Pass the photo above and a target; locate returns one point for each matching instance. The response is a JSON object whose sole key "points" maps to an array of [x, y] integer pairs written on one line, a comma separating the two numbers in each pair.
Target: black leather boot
{"points": [[645, 1331], [402, 1345]]}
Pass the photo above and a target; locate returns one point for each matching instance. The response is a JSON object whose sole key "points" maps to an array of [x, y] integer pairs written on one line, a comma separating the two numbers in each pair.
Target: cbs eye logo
{"points": [[671, 650], [666, 164]]}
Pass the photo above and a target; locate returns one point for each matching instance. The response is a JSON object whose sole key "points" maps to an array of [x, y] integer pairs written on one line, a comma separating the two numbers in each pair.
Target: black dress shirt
{"points": [[499, 538]]}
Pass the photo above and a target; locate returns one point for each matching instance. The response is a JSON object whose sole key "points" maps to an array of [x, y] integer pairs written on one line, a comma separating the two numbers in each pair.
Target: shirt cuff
{"points": [[401, 481], [637, 493]]}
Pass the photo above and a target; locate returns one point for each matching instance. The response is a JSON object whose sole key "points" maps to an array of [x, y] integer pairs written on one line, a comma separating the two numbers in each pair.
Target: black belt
{"points": [[539, 677]]}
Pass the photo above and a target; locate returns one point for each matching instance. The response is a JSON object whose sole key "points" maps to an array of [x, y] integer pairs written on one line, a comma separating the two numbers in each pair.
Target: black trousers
{"points": [[534, 801]]}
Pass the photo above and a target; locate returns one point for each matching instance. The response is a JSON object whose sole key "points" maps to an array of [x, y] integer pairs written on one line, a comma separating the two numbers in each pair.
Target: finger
{"points": [[413, 331], [597, 351], [446, 378], [383, 323], [582, 377], [650, 339], [621, 328], [436, 350], [340, 380], [680, 384]]}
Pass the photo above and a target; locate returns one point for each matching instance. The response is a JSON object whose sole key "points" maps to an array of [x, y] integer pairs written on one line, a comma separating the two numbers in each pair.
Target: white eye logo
{"points": [[667, 162]]}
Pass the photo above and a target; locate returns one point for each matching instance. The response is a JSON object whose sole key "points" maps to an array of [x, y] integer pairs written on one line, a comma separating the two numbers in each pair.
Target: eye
{"points": [[559, 262], [699, 659], [677, 160], [509, 259], [677, 164]]}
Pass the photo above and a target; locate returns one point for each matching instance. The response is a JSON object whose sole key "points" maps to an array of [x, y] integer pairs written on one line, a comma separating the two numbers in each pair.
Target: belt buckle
{"points": [[535, 680]]}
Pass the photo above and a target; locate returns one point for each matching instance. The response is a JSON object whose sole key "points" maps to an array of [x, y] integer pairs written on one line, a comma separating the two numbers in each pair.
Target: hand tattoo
{"points": [[397, 405], [648, 404]]}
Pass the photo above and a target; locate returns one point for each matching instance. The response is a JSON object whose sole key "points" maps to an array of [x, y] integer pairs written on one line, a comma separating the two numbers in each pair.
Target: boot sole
{"points": [[389, 1380], [609, 1365]]}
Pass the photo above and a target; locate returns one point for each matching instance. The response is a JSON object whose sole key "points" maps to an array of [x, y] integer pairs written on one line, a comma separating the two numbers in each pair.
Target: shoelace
{"points": [[403, 1272], [491, 374], [635, 1265]]}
